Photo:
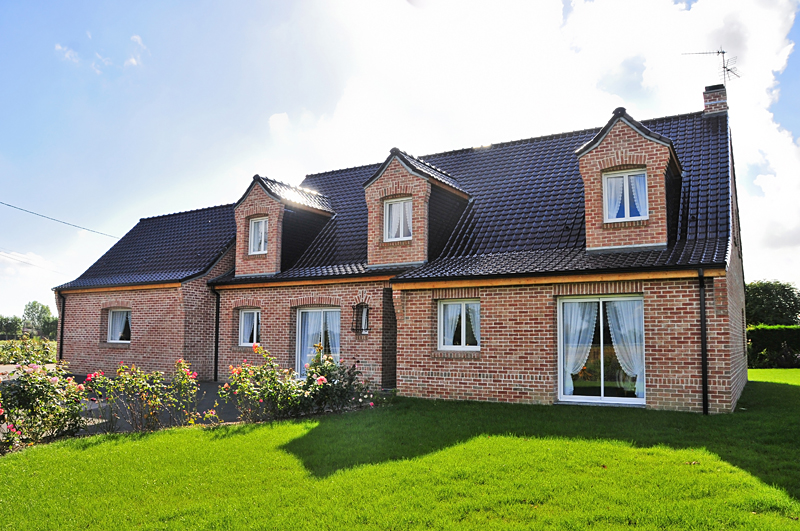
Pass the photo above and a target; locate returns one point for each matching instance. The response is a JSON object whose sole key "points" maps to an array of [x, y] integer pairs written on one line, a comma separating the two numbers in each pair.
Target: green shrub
{"points": [[773, 346], [27, 350], [42, 404], [267, 392]]}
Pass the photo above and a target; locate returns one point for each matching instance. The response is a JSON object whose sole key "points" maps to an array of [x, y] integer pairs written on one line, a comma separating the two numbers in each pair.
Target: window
{"points": [[249, 327], [625, 196], [601, 350], [258, 236], [460, 325], [360, 319], [119, 326], [316, 327], [397, 220]]}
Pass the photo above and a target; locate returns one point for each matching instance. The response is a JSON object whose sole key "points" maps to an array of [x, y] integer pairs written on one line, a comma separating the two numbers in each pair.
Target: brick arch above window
{"points": [[315, 300], [363, 297], [246, 303], [394, 190], [623, 167], [116, 303], [622, 160]]}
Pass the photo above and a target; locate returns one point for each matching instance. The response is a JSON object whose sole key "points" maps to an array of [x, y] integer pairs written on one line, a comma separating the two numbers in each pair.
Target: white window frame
{"points": [[256, 326], [439, 328], [364, 317], [625, 194], [263, 235], [300, 369], [387, 228], [111, 311], [595, 399]]}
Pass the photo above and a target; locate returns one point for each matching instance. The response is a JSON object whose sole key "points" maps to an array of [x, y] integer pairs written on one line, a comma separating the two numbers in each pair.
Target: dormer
{"points": [[631, 182], [275, 223], [413, 207]]}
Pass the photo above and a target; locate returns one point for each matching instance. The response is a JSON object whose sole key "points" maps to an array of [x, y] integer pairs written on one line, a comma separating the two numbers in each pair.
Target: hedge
{"points": [[773, 346]]}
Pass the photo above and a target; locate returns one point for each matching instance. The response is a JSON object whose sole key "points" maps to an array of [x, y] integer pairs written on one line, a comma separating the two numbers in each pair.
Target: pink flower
{"points": [[102, 373], [194, 375], [260, 399], [54, 380], [81, 387], [10, 426], [33, 366], [321, 380], [371, 404], [307, 365], [93, 399]]}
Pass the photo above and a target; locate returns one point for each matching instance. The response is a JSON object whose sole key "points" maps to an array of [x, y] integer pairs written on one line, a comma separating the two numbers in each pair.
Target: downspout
{"points": [[61, 325], [703, 339], [216, 337]]}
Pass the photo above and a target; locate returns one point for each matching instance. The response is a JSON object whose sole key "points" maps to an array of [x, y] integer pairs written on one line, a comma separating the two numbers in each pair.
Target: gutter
{"points": [[216, 336], [61, 325], [703, 339]]}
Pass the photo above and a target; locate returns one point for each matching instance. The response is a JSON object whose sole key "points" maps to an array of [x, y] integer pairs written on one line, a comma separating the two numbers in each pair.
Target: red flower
{"points": [[255, 348]]}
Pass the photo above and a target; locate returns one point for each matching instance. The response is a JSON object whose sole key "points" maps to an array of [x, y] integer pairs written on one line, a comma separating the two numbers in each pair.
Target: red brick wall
{"points": [[258, 204], [736, 304], [397, 182], [715, 100], [279, 307], [166, 324], [518, 360], [624, 148]]}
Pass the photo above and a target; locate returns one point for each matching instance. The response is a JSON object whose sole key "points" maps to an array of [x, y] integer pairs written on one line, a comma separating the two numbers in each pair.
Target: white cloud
{"points": [[69, 54], [89, 34], [138, 40], [132, 62]]}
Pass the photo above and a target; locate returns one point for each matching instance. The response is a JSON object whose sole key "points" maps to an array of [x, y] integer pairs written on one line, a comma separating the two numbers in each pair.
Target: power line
{"points": [[6, 255], [59, 221]]}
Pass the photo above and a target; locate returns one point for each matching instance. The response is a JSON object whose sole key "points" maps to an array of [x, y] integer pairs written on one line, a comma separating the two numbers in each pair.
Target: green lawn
{"points": [[421, 464]]}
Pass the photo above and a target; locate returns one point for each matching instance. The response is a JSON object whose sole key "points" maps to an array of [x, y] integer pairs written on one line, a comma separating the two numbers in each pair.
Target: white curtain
{"points": [[310, 335], [332, 327], [474, 314], [246, 328], [579, 319], [407, 219], [615, 186], [638, 185], [118, 322], [395, 210], [626, 321], [451, 313]]}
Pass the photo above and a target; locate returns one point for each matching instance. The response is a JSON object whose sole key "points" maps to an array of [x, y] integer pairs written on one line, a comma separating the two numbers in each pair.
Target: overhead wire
{"points": [[59, 221]]}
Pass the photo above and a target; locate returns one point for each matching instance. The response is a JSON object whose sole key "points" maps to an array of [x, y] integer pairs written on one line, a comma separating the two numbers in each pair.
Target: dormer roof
{"points": [[286, 193], [620, 115], [419, 167]]}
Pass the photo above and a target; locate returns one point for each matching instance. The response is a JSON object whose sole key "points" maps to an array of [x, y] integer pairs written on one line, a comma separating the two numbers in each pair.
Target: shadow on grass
{"points": [[762, 437]]}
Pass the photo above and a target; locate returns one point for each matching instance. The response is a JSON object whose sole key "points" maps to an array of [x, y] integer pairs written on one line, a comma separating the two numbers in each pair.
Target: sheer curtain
{"points": [[615, 186], [579, 319], [332, 327], [626, 321], [246, 328], [407, 219], [118, 322], [451, 315], [310, 335], [638, 185], [474, 313], [395, 209]]}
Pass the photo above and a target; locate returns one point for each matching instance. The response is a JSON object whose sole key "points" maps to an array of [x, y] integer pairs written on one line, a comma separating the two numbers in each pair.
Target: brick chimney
{"points": [[715, 99]]}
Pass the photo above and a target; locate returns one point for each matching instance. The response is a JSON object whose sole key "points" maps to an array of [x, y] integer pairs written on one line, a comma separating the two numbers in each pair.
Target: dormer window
{"points": [[258, 236], [397, 220], [625, 196]]}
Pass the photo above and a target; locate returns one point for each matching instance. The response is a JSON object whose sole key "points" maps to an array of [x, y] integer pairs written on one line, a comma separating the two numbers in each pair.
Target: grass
{"points": [[432, 465]]}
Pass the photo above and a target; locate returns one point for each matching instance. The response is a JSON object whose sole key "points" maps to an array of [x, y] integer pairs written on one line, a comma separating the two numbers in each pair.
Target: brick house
{"points": [[601, 266]]}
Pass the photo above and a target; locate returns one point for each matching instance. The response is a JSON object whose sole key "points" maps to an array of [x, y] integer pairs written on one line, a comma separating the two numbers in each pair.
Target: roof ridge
{"points": [[296, 187], [426, 163], [187, 211]]}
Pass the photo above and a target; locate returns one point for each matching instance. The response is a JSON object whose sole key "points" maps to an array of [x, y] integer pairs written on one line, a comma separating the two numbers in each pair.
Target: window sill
{"points": [[623, 224], [456, 354], [106, 344], [396, 243]]}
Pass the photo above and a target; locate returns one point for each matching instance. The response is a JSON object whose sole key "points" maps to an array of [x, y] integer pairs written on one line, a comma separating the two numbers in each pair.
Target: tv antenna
{"points": [[728, 68]]}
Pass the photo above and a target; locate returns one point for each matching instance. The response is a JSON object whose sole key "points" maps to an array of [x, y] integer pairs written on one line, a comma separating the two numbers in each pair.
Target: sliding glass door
{"points": [[314, 327], [601, 350]]}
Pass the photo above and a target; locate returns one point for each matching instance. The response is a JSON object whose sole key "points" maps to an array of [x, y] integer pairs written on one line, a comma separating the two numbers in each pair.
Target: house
{"points": [[601, 266]]}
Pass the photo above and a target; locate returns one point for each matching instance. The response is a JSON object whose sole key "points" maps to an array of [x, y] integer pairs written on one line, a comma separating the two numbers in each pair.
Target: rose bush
{"points": [[27, 350]]}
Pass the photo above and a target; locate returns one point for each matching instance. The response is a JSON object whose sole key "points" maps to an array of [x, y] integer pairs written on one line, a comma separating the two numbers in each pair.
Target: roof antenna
{"points": [[728, 69]]}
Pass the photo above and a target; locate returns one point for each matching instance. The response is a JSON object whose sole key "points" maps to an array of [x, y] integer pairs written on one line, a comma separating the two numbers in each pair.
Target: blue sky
{"points": [[115, 111]]}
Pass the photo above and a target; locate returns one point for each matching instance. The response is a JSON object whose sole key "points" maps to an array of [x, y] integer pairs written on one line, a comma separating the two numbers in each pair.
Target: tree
{"points": [[772, 303], [50, 328], [35, 314], [11, 327]]}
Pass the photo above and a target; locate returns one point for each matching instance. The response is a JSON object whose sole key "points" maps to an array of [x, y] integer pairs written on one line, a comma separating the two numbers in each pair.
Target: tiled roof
{"points": [[527, 197], [295, 194], [167, 248], [301, 273], [426, 168]]}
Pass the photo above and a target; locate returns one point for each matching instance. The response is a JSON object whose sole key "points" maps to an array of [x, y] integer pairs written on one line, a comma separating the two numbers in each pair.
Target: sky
{"points": [[115, 111]]}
